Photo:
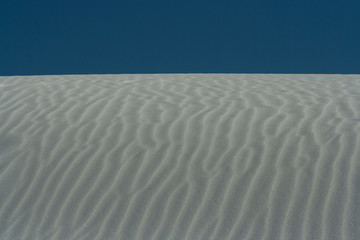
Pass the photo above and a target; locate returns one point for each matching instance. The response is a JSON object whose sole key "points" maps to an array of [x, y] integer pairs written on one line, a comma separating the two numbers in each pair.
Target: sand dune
{"points": [[180, 156]]}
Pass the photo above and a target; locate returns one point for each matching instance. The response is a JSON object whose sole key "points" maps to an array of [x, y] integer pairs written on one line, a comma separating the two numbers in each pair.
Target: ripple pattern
{"points": [[180, 156]]}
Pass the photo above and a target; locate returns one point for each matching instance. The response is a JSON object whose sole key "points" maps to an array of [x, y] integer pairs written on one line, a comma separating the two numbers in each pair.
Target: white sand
{"points": [[185, 156]]}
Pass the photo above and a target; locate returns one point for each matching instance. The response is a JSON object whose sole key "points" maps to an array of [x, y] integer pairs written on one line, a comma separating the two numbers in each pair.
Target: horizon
{"points": [[84, 74]]}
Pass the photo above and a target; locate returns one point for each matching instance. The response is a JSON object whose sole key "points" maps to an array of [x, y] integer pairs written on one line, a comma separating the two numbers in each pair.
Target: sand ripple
{"points": [[180, 156]]}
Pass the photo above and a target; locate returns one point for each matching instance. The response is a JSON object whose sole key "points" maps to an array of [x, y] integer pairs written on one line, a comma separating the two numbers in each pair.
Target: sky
{"points": [[43, 37]]}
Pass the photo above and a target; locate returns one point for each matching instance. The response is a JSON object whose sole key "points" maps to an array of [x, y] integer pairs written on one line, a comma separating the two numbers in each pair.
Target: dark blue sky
{"points": [[129, 36]]}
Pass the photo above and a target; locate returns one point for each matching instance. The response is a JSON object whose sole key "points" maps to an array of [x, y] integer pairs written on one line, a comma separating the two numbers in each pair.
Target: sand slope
{"points": [[185, 156]]}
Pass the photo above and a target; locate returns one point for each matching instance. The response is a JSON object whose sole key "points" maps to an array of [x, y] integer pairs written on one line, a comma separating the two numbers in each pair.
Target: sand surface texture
{"points": [[180, 156]]}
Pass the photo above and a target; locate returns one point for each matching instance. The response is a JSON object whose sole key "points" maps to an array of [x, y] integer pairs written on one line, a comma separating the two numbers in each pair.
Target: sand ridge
{"points": [[180, 156]]}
